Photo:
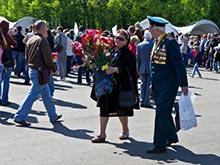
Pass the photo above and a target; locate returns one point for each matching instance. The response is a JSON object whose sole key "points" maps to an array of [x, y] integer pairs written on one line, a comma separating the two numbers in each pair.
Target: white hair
{"points": [[162, 29], [147, 35]]}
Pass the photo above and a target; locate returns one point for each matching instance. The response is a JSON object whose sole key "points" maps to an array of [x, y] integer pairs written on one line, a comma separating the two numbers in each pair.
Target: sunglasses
{"points": [[119, 38]]}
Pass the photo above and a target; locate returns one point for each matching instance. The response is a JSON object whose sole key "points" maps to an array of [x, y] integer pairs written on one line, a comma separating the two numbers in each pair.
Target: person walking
{"points": [[197, 62], [168, 73], [8, 63], [143, 64], [61, 39], [37, 46], [122, 62]]}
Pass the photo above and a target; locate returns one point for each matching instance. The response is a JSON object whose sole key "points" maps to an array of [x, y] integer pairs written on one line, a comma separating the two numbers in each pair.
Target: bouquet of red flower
{"points": [[96, 48], [77, 48]]}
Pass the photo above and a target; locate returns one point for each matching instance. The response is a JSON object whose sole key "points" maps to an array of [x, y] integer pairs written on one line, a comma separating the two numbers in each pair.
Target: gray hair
{"points": [[147, 35], [161, 29], [38, 24]]}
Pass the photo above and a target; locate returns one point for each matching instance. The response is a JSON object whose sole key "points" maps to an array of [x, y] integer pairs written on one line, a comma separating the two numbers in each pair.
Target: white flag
{"points": [[114, 30], [144, 24], [76, 29]]}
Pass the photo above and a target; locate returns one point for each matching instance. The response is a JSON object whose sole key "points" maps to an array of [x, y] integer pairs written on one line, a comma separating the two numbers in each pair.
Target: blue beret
{"points": [[157, 21]]}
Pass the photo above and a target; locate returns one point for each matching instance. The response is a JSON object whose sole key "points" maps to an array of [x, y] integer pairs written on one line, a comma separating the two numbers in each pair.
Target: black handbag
{"points": [[127, 99], [59, 47], [43, 76]]}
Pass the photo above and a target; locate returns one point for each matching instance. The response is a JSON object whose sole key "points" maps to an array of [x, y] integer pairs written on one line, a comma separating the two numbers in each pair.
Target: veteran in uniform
{"points": [[168, 73]]}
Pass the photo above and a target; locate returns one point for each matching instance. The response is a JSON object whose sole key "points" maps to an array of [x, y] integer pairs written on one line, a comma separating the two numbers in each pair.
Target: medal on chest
{"points": [[159, 52]]}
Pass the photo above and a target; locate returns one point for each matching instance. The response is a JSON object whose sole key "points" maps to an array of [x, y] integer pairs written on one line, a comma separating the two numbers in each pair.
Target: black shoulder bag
{"points": [[127, 99]]}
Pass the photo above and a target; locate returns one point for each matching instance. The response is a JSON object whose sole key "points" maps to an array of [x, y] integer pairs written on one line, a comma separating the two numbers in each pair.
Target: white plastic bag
{"points": [[186, 112]]}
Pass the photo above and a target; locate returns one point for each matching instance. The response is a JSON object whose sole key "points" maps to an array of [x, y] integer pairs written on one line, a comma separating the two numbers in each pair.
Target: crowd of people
{"points": [[157, 58]]}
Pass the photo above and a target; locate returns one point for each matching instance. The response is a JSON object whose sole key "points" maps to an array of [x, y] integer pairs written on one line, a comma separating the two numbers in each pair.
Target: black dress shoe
{"points": [[23, 123], [157, 150], [56, 120], [169, 143]]}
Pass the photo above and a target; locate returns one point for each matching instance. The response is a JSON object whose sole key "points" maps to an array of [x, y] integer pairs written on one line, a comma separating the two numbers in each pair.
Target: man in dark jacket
{"points": [[7, 62], [168, 73], [37, 48], [18, 52]]}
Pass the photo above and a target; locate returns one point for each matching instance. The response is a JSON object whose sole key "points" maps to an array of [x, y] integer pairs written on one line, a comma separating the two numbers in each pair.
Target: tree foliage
{"points": [[107, 13]]}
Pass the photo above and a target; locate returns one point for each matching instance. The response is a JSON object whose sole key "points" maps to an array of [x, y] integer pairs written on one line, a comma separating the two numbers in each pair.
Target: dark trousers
{"points": [[68, 64], [81, 71], [164, 125]]}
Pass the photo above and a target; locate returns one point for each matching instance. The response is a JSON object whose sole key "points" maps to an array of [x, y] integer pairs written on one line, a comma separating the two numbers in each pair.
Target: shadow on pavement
{"points": [[212, 79], [19, 83], [174, 154], [63, 86], [68, 104], [5, 116], [65, 131], [59, 88], [75, 83], [35, 112], [13, 106], [39, 113], [194, 87]]}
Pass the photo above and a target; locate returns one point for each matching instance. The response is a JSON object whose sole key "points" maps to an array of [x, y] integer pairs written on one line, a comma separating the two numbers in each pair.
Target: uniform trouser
{"points": [[61, 61], [164, 125]]}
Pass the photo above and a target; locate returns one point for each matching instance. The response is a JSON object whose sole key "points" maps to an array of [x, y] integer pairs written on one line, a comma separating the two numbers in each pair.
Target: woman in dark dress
{"points": [[122, 62]]}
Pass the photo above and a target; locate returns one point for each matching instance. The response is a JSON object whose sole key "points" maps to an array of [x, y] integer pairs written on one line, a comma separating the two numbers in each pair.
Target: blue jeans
{"points": [[20, 63], [4, 88], [51, 84], [1, 72], [145, 84], [196, 69], [26, 76], [215, 65], [36, 90]]}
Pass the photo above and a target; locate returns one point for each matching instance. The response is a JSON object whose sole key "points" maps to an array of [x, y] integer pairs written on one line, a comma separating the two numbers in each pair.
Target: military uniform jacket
{"points": [[168, 68]]}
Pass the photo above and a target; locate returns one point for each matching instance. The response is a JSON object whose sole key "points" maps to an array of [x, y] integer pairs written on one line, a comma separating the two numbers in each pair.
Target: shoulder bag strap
{"points": [[130, 79]]}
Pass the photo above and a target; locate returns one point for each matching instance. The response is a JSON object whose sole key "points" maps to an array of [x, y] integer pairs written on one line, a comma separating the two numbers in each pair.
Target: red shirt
{"points": [[132, 47]]}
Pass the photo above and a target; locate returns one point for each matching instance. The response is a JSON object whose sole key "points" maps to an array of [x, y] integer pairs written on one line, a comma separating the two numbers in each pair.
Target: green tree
{"points": [[107, 13]]}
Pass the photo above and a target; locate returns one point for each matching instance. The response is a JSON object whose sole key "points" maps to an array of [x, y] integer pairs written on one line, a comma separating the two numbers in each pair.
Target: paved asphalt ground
{"points": [[68, 142]]}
